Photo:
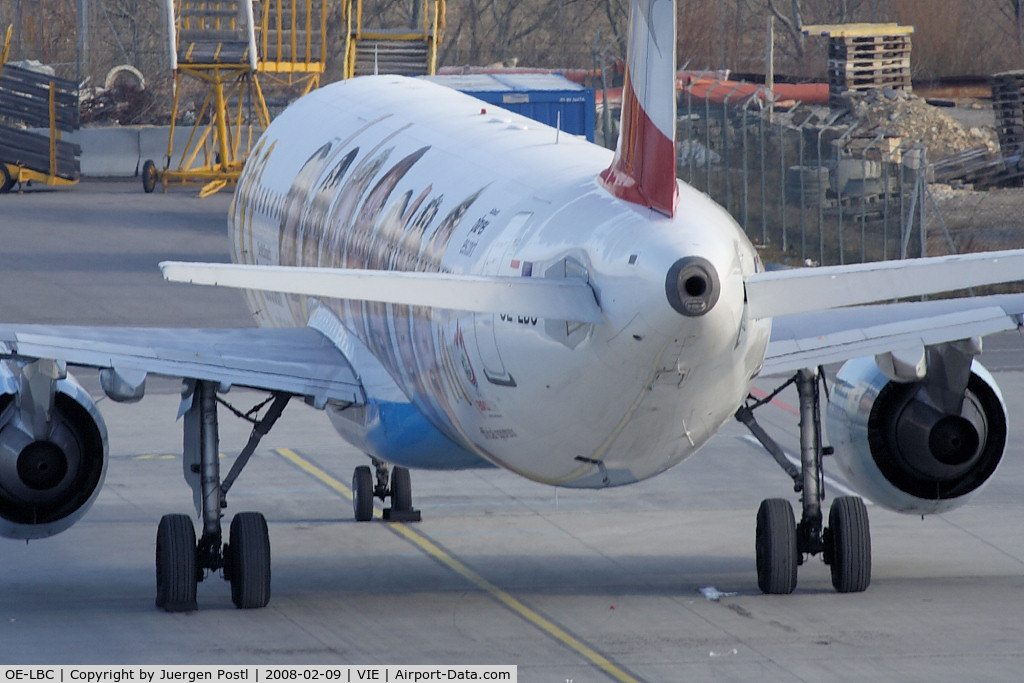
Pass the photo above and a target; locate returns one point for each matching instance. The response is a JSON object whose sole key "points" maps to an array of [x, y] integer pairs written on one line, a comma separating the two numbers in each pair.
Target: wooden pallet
{"points": [[865, 57], [1008, 106], [868, 48]]}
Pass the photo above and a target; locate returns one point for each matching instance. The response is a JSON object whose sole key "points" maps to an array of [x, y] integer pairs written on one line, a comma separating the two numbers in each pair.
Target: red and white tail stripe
{"points": [[644, 168]]}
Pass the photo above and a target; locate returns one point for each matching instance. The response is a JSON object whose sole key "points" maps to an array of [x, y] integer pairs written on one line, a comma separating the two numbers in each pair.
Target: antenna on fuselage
{"points": [[644, 168]]}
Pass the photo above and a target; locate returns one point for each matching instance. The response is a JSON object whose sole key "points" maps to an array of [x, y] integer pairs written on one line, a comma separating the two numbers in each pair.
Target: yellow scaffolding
{"points": [[407, 51], [293, 42], [228, 45]]}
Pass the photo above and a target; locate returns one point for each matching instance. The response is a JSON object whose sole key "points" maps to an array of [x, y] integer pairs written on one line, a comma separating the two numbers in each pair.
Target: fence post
{"points": [[821, 205], [839, 191], [782, 165], [863, 209], [725, 146], [803, 189], [746, 171], [707, 134], [689, 126]]}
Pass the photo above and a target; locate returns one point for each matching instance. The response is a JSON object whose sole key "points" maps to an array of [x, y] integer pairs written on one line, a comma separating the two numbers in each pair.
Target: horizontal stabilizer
{"points": [[805, 290], [555, 299]]}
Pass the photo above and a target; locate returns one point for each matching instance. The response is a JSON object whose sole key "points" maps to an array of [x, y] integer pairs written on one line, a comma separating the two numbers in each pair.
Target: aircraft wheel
{"points": [[6, 181], [149, 176], [176, 571], [401, 489], [249, 561], [362, 493], [848, 541], [776, 547]]}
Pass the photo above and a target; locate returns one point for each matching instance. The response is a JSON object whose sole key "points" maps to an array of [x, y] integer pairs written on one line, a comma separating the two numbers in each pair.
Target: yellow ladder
{"points": [[407, 51], [292, 41]]}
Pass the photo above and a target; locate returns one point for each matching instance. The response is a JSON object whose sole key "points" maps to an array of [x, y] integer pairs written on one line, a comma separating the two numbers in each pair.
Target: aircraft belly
{"points": [[398, 433]]}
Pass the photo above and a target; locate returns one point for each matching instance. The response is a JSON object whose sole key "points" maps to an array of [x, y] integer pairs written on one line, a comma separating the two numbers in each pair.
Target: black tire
{"points": [[149, 176], [849, 538], [362, 493], [776, 547], [249, 561], [401, 489], [6, 181], [176, 571]]}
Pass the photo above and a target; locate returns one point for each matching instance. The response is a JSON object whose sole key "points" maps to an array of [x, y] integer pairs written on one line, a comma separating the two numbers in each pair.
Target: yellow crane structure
{"points": [[228, 45]]}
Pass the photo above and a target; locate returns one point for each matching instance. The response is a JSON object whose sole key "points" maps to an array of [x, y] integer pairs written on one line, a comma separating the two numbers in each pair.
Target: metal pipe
{"points": [[172, 35], [250, 27]]}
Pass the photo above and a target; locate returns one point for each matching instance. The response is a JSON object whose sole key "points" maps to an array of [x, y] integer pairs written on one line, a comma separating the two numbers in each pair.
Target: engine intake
{"points": [[53, 453], [901, 451]]}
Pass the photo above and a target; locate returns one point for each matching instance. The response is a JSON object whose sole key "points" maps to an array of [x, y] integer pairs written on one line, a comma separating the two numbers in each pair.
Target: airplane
{"points": [[457, 287]]}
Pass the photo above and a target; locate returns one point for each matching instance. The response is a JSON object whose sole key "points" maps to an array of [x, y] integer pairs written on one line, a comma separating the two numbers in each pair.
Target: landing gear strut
{"points": [[781, 543], [366, 487], [181, 561]]}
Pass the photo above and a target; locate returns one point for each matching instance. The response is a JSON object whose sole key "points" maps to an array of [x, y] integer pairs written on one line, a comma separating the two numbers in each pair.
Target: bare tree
{"points": [[1013, 12]]}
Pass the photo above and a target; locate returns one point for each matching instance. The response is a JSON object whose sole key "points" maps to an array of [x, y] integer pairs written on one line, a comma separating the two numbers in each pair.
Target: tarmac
{"points": [[653, 582]]}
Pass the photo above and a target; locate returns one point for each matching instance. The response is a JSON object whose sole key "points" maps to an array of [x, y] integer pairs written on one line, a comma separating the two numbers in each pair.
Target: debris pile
{"points": [[123, 104], [899, 114], [123, 99]]}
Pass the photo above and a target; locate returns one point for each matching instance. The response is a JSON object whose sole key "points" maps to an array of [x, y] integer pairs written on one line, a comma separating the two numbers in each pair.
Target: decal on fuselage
{"points": [[351, 205]]}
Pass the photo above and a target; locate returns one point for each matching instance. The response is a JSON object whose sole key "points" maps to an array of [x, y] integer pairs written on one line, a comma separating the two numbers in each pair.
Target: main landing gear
{"points": [[781, 544], [365, 489], [181, 561]]}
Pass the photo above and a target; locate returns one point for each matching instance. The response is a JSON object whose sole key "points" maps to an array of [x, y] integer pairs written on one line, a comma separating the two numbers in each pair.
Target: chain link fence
{"points": [[811, 186]]}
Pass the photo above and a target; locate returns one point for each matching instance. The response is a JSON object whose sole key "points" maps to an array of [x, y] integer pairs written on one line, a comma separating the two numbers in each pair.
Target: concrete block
{"points": [[108, 152]]}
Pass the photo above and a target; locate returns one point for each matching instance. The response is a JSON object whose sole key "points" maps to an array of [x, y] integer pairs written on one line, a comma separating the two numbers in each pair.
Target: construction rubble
{"points": [[898, 114]]}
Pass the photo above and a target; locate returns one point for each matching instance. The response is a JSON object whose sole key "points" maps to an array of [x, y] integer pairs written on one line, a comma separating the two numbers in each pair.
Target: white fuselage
{"points": [[388, 173]]}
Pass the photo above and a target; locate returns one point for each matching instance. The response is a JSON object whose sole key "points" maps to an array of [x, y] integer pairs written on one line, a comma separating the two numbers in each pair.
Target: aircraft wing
{"points": [[300, 361], [803, 340]]}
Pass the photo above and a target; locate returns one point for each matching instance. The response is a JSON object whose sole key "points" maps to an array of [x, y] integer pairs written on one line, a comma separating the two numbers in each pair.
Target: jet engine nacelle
{"points": [[53, 450], [900, 451]]}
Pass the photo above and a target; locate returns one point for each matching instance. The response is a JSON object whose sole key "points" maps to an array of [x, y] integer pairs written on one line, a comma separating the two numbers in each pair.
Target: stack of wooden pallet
{"points": [[1008, 105], [865, 57]]}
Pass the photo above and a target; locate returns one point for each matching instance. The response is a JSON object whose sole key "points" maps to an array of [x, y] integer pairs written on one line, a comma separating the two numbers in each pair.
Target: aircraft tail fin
{"points": [[644, 168]]}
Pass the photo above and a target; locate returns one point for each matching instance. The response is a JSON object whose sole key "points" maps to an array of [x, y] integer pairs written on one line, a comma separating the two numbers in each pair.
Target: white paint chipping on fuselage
{"points": [[393, 173]]}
